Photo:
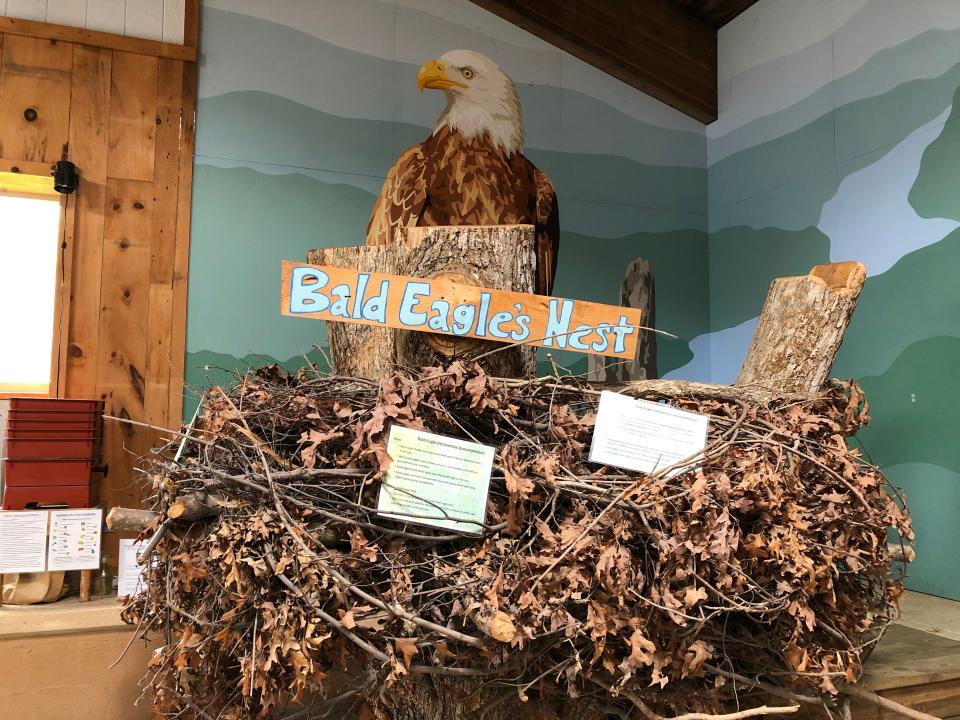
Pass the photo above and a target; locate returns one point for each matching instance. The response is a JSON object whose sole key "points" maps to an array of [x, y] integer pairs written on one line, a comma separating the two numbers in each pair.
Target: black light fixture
{"points": [[65, 177]]}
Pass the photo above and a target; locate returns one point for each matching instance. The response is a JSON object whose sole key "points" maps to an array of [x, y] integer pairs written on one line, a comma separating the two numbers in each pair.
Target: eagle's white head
{"points": [[480, 97]]}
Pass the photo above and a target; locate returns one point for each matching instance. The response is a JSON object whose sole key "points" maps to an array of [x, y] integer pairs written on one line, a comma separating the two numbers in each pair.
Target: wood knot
{"points": [[75, 351], [116, 206], [15, 169], [124, 244], [30, 114], [137, 205]]}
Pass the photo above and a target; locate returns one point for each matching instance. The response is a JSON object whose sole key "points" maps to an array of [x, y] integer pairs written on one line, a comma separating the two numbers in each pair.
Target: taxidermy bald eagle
{"points": [[471, 170]]}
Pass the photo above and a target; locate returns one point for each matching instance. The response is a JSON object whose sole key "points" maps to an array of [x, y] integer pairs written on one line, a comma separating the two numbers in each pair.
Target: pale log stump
{"points": [[801, 327]]}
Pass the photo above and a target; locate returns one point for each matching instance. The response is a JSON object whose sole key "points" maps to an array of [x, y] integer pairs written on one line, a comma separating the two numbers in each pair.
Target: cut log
{"points": [[495, 624], [188, 508], [135, 520], [637, 290], [130, 519], [360, 350], [673, 389], [801, 327], [496, 256]]}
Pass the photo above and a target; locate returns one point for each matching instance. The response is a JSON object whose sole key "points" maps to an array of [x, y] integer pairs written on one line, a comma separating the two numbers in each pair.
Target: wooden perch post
{"points": [[636, 291], [495, 256], [801, 327]]}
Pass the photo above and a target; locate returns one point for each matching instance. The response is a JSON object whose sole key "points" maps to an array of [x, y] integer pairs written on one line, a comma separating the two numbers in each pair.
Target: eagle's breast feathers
{"points": [[453, 180]]}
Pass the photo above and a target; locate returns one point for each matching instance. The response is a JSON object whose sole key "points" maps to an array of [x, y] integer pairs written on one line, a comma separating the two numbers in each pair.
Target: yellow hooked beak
{"points": [[433, 75]]}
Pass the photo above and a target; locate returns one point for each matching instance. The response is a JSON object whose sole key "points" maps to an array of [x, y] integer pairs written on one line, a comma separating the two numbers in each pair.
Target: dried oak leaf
{"points": [[407, 647], [693, 595], [697, 654]]}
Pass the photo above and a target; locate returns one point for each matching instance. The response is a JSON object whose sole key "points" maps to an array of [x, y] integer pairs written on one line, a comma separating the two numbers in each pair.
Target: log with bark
{"points": [[801, 327], [637, 290], [497, 256]]}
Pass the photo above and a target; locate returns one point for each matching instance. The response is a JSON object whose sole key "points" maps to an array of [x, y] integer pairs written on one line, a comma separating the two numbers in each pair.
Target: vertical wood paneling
{"points": [[122, 351], [144, 18], [129, 121], [106, 15], [67, 12], [34, 98], [178, 339], [89, 120], [163, 245], [27, 9], [173, 21], [133, 116], [191, 23]]}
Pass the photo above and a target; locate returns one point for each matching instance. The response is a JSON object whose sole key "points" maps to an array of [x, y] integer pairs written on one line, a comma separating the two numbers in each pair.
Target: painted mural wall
{"points": [[304, 106], [839, 139]]}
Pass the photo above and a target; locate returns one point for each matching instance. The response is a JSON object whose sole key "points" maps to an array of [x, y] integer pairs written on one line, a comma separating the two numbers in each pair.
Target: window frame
{"points": [[33, 180]]}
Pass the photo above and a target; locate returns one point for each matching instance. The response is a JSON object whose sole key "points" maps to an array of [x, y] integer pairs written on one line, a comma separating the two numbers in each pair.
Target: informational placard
{"points": [[74, 539], [436, 480], [645, 436], [130, 580], [23, 541], [441, 305]]}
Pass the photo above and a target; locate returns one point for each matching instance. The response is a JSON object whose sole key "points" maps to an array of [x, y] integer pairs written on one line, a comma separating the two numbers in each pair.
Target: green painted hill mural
{"points": [[936, 192], [244, 224], [916, 299], [915, 410], [807, 165], [744, 259], [204, 369], [258, 127]]}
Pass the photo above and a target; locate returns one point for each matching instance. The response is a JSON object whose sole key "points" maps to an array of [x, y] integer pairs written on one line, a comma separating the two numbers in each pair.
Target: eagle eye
{"points": [[467, 72]]}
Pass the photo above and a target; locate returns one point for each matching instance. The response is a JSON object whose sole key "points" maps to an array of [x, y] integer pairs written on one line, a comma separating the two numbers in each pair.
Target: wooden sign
{"points": [[440, 305]]}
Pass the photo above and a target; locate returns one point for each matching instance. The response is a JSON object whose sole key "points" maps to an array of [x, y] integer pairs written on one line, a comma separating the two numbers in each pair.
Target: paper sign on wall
{"points": [[129, 572], [436, 480], [645, 436], [23, 541], [74, 539]]}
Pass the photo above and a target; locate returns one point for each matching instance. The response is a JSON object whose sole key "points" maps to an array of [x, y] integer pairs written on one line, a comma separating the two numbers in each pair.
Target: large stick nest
{"points": [[764, 570]]}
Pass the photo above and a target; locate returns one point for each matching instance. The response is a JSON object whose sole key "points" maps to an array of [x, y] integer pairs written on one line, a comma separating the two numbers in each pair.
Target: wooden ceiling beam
{"points": [[651, 45]]}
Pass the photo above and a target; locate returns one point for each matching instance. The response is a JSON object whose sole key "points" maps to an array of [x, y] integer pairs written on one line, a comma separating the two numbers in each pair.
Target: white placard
{"points": [[129, 572], [436, 480], [23, 541], [645, 436], [74, 539]]}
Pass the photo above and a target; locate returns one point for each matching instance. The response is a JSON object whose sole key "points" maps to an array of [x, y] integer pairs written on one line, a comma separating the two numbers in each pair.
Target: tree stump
{"points": [[636, 291], [801, 327], [496, 256]]}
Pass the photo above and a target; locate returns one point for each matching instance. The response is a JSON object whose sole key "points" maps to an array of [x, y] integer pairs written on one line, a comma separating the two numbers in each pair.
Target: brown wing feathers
{"points": [[401, 199]]}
